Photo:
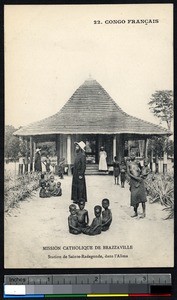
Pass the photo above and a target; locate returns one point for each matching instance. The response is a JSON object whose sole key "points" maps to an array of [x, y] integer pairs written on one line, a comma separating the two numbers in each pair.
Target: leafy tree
{"points": [[161, 105], [159, 146], [24, 147], [12, 147], [170, 148]]}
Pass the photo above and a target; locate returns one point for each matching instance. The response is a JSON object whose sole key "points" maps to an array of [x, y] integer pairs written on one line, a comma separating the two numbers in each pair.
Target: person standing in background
{"points": [[137, 188], [47, 163], [116, 170], [102, 161], [37, 161], [26, 161], [21, 162], [78, 190], [123, 169]]}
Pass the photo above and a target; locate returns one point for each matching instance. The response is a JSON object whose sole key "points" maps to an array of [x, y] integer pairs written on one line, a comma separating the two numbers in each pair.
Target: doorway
{"points": [[91, 149]]}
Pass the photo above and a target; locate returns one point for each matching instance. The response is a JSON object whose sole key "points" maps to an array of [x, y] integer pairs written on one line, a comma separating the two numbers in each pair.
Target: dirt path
{"points": [[39, 223]]}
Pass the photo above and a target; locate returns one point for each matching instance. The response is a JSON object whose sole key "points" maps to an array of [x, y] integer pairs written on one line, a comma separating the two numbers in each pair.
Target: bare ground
{"points": [[38, 223]]}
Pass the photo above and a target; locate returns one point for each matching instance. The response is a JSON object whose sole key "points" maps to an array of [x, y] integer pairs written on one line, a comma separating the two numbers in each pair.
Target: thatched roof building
{"points": [[91, 110], [93, 116]]}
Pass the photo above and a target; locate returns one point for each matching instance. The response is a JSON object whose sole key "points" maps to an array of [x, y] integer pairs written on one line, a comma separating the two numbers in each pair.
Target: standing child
{"points": [[82, 214], [95, 227], [73, 220], [116, 170], [123, 169], [58, 191], [61, 167], [106, 215]]}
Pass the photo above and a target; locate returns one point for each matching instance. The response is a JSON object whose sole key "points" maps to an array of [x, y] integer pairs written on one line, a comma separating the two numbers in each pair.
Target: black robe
{"points": [[37, 163], [78, 185]]}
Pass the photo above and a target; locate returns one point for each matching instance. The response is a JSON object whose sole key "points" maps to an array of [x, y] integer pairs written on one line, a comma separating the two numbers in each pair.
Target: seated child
{"points": [[43, 193], [106, 215], [51, 185], [58, 191], [82, 214], [95, 227], [41, 180], [73, 220]]}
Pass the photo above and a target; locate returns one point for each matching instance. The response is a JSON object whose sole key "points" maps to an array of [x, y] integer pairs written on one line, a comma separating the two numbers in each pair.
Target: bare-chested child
{"points": [[145, 172], [82, 214], [41, 180], [138, 193], [43, 193], [134, 167], [73, 220], [51, 185], [58, 190], [123, 169], [106, 215], [95, 227], [145, 169]]}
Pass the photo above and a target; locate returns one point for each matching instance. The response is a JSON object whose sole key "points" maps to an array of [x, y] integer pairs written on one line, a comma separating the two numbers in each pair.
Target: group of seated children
{"points": [[49, 188], [78, 220]]}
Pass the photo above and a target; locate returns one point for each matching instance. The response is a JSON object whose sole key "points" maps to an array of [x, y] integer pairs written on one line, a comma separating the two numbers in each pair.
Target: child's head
{"points": [[132, 156], [105, 203], [115, 157], [97, 210], [123, 162], [52, 178], [42, 176], [81, 204], [58, 184], [72, 209]]}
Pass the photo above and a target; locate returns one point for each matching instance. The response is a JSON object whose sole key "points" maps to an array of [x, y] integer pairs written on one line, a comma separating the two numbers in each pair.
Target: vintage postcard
{"points": [[89, 136]]}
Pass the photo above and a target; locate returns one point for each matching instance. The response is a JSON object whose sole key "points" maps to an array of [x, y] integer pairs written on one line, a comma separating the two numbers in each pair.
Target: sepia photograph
{"points": [[89, 144]]}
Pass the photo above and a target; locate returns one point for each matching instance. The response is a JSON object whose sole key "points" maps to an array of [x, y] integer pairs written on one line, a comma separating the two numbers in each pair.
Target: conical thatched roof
{"points": [[91, 110]]}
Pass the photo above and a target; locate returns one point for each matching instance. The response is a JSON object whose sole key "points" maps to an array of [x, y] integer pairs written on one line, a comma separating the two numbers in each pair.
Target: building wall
{"points": [[120, 146], [102, 140]]}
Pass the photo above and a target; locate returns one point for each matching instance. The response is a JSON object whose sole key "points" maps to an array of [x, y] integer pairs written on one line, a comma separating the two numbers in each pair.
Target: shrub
{"points": [[17, 188], [160, 188]]}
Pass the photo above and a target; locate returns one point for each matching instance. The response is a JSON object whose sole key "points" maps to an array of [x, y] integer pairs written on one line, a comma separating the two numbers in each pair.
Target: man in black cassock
{"points": [[78, 184], [37, 161]]}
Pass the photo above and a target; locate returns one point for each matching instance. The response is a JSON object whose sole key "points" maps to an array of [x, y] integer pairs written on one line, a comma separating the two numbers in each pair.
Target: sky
{"points": [[50, 50]]}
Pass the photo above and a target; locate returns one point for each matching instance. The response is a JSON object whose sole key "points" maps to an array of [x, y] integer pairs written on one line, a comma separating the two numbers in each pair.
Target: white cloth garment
{"points": [[102, 161]]}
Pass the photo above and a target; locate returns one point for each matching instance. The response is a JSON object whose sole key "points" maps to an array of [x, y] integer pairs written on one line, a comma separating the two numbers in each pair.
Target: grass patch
{"points": [[18, 188]]}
